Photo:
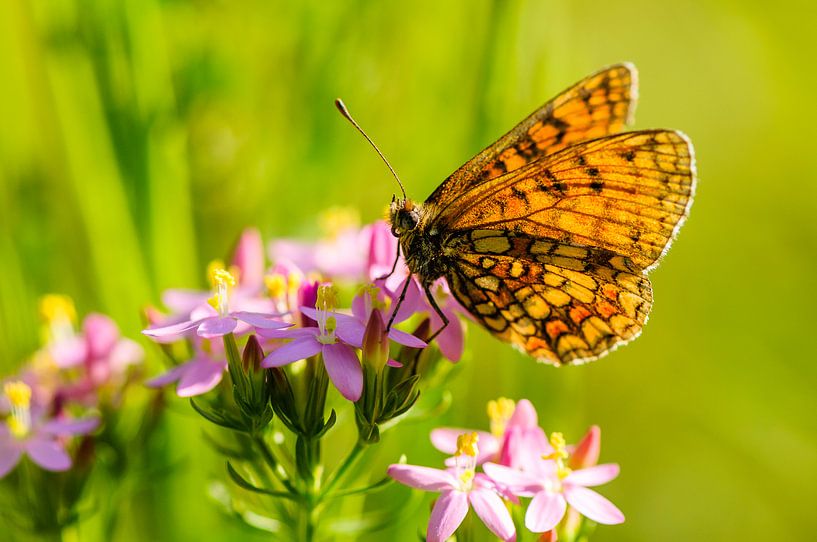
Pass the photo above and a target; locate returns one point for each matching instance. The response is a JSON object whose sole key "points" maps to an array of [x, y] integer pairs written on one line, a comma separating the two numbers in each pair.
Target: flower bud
{"points": [[375, 343], [586, 453]]}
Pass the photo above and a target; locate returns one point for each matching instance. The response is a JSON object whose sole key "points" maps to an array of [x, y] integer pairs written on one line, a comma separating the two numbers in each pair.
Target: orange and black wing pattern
{"points": [[552, 256], [627, 193], [557, 302], [601, 104]]}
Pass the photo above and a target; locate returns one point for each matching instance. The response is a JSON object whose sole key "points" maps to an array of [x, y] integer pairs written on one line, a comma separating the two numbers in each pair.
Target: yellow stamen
{"points": [[557, 440], [56, 308], [467, 444], [467, 451], [19, 396], [212, 267], [328, 334], [370, 294], [59, 316], [18, 393], [276, 285], [222, 276], [217, 268], [467, 477], [499, 412], [224, 280], [293, 283], [336, 219], [327, 298]]}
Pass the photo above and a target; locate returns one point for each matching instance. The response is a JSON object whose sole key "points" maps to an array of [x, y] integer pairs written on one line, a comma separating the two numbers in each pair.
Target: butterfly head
{"points": [[404, 215]]}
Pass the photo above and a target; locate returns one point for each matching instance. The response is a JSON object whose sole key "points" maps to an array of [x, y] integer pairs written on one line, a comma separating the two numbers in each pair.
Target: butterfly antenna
{"points": [[345, 112]]}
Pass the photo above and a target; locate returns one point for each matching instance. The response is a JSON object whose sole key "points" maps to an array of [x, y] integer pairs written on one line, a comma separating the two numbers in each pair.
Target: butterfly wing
{"points": [[596, 106], [557, 302], [626, 193]]}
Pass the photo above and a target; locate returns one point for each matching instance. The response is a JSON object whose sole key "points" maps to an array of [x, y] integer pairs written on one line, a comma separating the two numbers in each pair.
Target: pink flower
{"points": [[340, 255], [197, 376], [460, 489], [216, 319], [523, 441], [29, 431], [515, 438], [333, 339], [370, 299], [451, 340], [553, 486]]}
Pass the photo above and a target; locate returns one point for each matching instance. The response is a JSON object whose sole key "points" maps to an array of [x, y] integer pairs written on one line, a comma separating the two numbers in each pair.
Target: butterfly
{"points": [[546, 236]]}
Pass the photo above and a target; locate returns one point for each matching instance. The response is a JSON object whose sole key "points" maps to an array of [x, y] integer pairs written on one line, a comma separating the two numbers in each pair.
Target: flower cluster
{"points": [[517, 460], [58, 393], [291, 307], [267, 339]]}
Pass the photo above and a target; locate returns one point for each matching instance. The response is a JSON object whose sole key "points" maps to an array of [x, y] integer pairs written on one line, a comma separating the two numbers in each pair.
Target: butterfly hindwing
{"points": [[596, 106], [556, 302]]}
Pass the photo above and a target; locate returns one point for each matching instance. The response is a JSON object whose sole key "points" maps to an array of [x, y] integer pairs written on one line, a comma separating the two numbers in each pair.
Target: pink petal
{"points": [[586, 453], [593, 476], [452, 339], [101, 333], [424, 478], [125, 353], [344, 370], [178, 300], [199, 377], [592, 505], [412, 303], [447, 514], [205, 310], [9, 456], [69, 352], [48, 454], [350, 330], [249, 258], [290, 333], [216, 327], [301, 255], [524, 415], [406, 339], [173, 330], [493, 513], [264, 321], [394, 363], [445, 440], [298, 349], [166, 378], [359, 308], [69, 427], [545, 511], [524, 448], [518, 482]]}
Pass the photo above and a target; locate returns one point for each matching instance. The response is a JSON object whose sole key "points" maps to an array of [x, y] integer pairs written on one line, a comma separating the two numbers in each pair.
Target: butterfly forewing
{"points": [[599, 105], [557, 302], [627, 193]]}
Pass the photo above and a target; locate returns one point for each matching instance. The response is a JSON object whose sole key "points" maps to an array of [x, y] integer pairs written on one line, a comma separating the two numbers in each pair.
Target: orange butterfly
{"points": [[546, 235]]}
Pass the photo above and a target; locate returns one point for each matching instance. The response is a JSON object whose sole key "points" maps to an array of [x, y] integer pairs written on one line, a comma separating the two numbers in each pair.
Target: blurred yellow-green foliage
{"points": [[139, 136]]}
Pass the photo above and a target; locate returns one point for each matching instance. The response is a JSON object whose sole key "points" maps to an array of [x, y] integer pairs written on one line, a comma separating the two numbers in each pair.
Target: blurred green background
{"points": [[139, 136]]}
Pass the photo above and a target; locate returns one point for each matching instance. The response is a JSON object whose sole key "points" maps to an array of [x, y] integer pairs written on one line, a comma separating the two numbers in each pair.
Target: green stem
{"points": [[350, 460], [307, 520], [269, 458]]}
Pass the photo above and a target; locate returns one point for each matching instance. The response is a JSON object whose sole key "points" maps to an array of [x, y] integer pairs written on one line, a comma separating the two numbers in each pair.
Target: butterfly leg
{"points": [[440, 313], [399, 302], [394, 265]]}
